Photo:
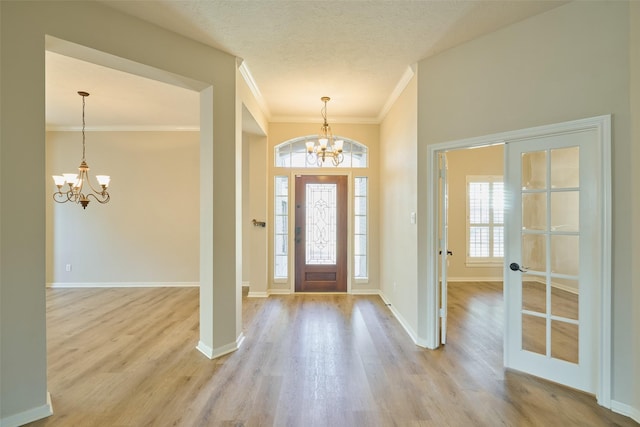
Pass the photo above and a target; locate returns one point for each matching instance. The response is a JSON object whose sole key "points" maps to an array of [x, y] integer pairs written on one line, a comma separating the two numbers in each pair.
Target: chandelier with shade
{"points": [[77, 187], [326, 147]]}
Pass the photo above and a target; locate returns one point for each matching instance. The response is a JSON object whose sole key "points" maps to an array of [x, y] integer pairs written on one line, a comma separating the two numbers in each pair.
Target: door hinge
{"points": [[442, 312]]}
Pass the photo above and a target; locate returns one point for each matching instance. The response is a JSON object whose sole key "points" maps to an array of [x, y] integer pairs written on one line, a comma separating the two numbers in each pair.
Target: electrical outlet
{"points": [[68, 267]]}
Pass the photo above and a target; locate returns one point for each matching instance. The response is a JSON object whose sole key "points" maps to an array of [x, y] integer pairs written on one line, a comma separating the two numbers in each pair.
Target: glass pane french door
{"points": [[551, 258]]}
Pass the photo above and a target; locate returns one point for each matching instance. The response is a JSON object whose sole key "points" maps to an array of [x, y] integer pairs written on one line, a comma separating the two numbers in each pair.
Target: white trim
{"points": [[29, 415], [254, 294], [405, 325], [123, 285], [253, 87], [214, 353], [603, 125], [626, 410], [279, 291], [397, 91], [355, 291]]}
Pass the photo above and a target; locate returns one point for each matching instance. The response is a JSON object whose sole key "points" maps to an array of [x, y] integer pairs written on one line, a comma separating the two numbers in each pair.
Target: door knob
{"points": [[515, 267]]}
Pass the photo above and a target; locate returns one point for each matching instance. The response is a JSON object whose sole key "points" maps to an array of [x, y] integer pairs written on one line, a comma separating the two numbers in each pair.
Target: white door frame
{"points": [[602, 124]]}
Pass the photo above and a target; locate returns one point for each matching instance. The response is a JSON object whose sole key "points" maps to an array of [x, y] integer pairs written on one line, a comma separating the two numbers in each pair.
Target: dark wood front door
{"points": [[321, 233]]}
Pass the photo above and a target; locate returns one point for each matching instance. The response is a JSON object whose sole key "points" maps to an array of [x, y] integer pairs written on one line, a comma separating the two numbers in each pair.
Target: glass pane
{"points": [[534, 211], [565, 211], [281, 224], [534, 250], [280, 243], [479, 202], [534, 170], [360, 245], [565, 251], [360, 186], [498, 241], [360, 207], [565, 168], [564, 298], [281, 206], [564, 341], [534, 334], [360, 226], [478, 241], [360, 266], [534, 293], [282, 155], [280, 266], [498, 203], [321, 223], [282, 186]]}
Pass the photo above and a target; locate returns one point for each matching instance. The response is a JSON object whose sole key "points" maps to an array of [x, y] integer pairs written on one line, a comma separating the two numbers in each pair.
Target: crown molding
{"points": [[253, 86], [397, 91], [124, 128]]}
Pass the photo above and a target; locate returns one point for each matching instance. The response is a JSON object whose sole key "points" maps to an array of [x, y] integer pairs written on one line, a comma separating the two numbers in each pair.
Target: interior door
{"points": [[321, 233], [552, 256], [444, 244]]}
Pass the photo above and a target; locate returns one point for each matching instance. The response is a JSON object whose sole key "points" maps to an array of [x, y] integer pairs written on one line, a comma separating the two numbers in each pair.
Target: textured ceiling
{"points": [[356, 52]]}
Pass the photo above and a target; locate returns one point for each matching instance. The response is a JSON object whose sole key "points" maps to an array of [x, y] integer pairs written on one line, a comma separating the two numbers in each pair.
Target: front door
{"points": [[553, 256], [321, 233]]}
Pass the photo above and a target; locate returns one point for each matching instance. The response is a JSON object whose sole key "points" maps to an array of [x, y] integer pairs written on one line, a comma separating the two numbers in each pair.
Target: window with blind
{"points": [[485, 220]]}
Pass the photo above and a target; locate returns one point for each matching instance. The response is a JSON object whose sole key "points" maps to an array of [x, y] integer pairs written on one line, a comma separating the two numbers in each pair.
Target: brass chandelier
{"points": [[79, 186], [326, 146]]}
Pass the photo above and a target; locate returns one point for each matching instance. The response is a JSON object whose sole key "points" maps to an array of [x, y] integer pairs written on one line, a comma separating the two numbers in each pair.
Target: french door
{"points": [[553, 256], [320, 233]]}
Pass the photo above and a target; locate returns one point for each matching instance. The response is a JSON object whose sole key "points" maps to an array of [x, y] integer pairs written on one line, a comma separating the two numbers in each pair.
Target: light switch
{"points": [[413, 217]]}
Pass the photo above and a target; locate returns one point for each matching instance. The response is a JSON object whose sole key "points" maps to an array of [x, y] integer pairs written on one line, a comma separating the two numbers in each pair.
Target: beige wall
{"points": [[367, 134], [398, 199], [569, 63], [148, 234]]}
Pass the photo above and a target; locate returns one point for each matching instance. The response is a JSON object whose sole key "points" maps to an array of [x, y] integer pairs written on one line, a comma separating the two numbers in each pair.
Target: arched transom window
{"points": [[293, 154]]}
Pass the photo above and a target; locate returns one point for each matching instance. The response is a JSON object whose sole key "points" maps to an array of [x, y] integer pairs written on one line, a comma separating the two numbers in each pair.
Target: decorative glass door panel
{"points": [[321, 233]]}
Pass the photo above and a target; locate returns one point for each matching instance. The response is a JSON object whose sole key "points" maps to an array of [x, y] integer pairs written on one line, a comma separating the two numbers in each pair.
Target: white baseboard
{"points": [[123, 285], [412, 334], [29, 415], [364, 291], [255, 294], [214, 353], [626, 410], [279, 292]]}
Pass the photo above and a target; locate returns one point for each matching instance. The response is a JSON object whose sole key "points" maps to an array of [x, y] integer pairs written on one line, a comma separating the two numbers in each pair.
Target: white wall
{"points": [[148, 234], [569, 63], [398, 199]]}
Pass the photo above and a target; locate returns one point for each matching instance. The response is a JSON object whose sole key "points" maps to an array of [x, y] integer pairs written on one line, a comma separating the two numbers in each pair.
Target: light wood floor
{"points": [[127, 357]]}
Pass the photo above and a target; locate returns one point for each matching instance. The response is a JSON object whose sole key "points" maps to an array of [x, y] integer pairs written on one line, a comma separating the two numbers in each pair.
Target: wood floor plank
{"points": [[127, 357]]}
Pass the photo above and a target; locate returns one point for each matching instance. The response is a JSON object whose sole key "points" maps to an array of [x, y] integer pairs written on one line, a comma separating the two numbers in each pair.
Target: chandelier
{"points": [[326, 146], [79, 186]]}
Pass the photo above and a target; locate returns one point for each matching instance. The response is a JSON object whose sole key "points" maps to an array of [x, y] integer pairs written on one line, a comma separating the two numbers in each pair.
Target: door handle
{"points": [[515, 267], [448, 253]]}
